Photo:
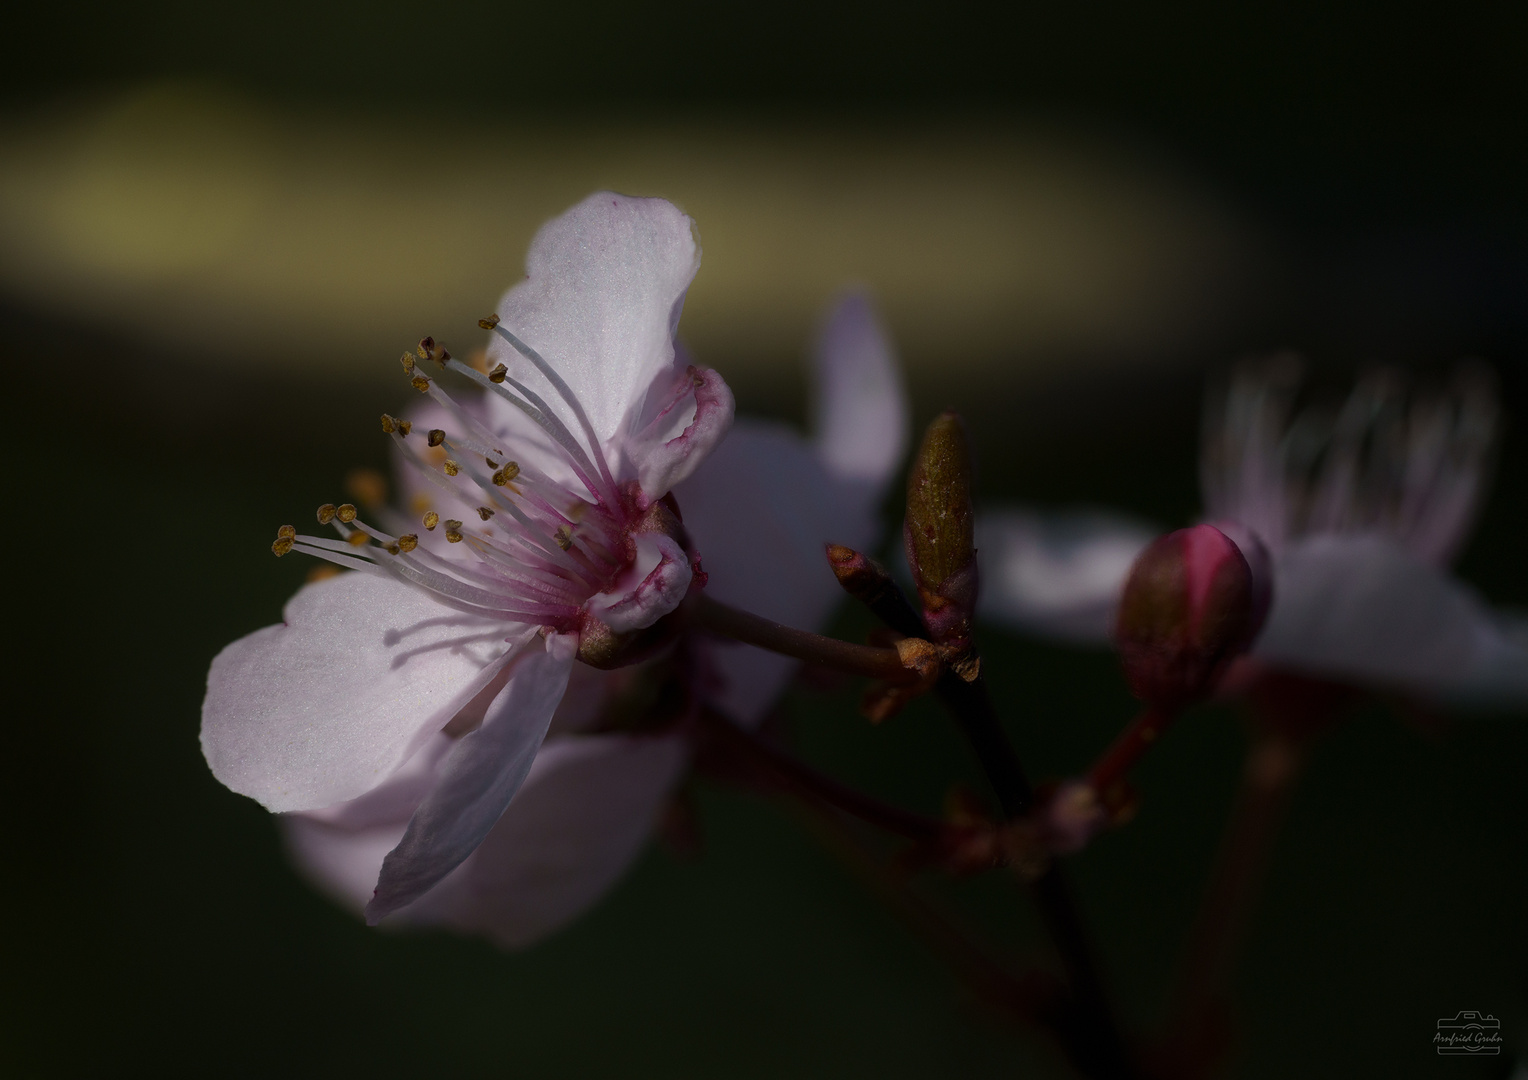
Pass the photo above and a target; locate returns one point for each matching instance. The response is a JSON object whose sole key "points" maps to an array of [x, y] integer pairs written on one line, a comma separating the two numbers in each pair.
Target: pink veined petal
{"points": [[860, 409], [604, 286], [651, 588], [1359, 608], [660, 459], [577, 824], [760, 511], [325, 706], [1057, 574], [478, 778]]}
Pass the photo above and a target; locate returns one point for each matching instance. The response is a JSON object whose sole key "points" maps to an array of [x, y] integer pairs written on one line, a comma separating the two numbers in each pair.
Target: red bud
{"points": [[1189, 606]]}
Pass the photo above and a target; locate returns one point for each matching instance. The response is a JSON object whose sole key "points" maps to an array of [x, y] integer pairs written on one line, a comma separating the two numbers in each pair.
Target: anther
{"points": [[451, 467], [389, 425], [326, 513], [405, 426], [436, 436], [490, 462], [484, 512], [346, 512], [392, 549], [286, 532], [408, 541], [407, 360], [420, 383], [506, 474], [431, 520], [564, 537], [428, 350], [358, 539], [282, 545], [453, 531], [489, 323], [498, 373]]}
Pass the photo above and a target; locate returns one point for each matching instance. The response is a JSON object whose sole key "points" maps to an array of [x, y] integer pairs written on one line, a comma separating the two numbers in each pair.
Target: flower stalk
{"points": [[845, 656]]}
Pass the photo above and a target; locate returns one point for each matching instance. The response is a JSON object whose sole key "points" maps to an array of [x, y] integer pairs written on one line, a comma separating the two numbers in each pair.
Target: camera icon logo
{"points": [[1468, 1033]]}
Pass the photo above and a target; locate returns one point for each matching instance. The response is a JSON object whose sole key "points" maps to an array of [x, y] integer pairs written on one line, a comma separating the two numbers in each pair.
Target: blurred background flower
{"points": [[220, 224]]}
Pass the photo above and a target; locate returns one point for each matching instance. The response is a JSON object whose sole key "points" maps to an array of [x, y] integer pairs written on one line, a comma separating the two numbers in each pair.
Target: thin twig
{"points": [[1032, 999], [1138, 737], [1273, 764], [827, 652], [796, 774], [1097, 1048]]}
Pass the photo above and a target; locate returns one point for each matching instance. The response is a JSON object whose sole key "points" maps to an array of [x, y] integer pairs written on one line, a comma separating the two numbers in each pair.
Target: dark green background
{"points": [[152, 926]]}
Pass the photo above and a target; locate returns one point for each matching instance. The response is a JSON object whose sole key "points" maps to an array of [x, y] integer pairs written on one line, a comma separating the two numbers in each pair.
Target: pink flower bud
{"points": [[1191, 604]]}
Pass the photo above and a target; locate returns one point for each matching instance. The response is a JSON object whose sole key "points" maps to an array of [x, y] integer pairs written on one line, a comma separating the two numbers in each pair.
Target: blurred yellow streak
{"points": [[206, 222]]}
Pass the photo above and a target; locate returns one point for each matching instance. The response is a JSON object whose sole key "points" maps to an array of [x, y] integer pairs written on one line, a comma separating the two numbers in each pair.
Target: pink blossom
{"points": [[471, 624], [1360, 508], [759, 512]]}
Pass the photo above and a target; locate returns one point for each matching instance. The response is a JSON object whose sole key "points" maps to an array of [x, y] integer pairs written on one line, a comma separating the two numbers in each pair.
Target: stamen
{"points": [[489, 323], [538, 410], [429, 350], [420, 383], [346, 513], [435, 437], [326, 513], [506, 474], [389, 425], [408, 542], [453, 531], [566, 393], [307, 547], [431, 520], [451, 467], [408, 363], [498, 373], [285, 539], [286, 532], [484, 512]]}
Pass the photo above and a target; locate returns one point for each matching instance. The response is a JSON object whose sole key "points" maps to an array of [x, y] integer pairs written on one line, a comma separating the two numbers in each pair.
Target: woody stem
{"points": [[1138, 737], [1096, 1045], [1273, 765], [1094, 1042], [827, 652], [791, 772]]}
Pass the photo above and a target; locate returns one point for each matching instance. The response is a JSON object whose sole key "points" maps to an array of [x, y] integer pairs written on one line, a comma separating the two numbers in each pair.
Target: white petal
{"points": [[341, 863], [651, 587], [579, 821], [1360, 608], [661, 456], [604, 286], [478, 778], [861, 414], [760, 512], [1057, 574], [324, 707]]}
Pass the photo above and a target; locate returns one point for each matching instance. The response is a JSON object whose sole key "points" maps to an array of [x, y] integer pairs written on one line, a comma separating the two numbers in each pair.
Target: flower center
{"points": [[539, 548]]}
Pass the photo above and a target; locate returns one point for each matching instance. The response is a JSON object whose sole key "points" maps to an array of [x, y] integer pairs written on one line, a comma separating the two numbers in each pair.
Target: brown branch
{"points": [[827, 652]]}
